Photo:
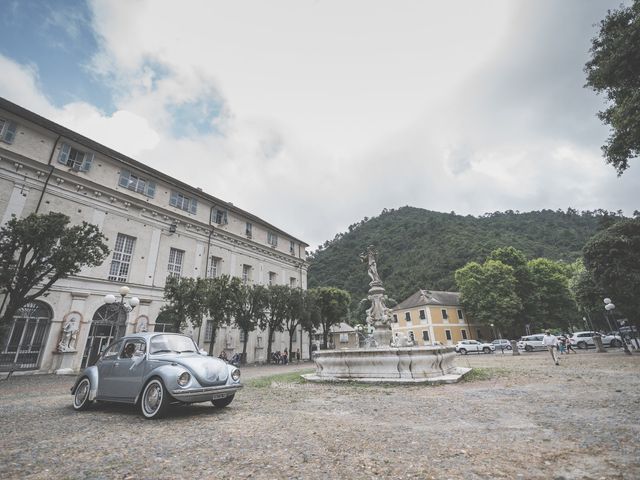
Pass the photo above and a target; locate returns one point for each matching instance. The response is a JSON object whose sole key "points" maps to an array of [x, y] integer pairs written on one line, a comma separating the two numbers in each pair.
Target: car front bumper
{"points": [[204, 394]]}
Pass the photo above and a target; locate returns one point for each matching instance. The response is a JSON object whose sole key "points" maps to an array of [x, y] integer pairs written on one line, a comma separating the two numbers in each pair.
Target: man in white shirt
{"points": [[551, 342]]}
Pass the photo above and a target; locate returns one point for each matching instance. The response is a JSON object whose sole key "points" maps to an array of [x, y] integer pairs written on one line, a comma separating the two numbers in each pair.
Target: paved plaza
{"points": [[516, 417]]}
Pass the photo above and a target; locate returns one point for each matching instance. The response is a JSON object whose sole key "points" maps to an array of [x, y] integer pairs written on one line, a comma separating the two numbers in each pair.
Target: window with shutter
{"points": [[183, 202], [8, 130], [74, 158]]}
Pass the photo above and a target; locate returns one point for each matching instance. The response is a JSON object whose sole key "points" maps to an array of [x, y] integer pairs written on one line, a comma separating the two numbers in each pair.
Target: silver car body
{"points": [[116, 378]]}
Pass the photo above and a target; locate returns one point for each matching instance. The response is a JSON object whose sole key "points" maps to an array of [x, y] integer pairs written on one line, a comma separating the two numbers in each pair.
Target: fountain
{"points": [[385, 357]]}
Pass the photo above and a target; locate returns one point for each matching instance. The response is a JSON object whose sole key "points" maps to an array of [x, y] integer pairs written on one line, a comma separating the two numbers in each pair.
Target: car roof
{"points": [[147, 335]]}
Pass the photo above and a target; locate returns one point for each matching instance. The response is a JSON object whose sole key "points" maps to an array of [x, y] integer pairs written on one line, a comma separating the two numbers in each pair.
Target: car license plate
{"points": [[218, 395]]}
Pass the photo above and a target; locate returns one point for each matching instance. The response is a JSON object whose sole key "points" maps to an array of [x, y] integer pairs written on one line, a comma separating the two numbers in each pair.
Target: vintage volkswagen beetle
{"points": [[153, 370]]}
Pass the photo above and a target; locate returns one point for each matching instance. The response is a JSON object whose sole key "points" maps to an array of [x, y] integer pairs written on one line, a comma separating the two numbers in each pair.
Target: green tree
{"points": [[185, 299], [488, 293], [554, 305], [310, 318], [220, 292], [586, 294], [524, 289], [612, 257], [296, 308], [37, 251], [273, 321], [333, 307], [249, 307], [614, 69]]}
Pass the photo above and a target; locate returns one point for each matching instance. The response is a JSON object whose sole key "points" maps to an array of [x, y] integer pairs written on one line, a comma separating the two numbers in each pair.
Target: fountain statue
{"points": [[385, 357]]}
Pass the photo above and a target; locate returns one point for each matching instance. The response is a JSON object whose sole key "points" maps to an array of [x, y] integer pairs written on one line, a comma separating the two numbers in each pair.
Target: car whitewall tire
{"points": [[81, 397], [154, 400]]}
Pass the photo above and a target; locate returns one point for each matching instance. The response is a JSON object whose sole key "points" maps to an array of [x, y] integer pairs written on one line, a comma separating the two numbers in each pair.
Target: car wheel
{"points": [[81, 397], [223, 402], [508, 347], [486, 350], [582, 345], [528, 348], [155, 399], [614, 343], [463, 351]]}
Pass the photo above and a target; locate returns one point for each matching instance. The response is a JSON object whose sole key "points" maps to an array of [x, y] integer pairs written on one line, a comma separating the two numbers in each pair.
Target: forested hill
{"points": [[422, 249]]}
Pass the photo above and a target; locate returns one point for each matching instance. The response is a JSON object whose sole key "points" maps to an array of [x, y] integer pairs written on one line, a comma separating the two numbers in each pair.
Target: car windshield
{"points": [[171, 344]]}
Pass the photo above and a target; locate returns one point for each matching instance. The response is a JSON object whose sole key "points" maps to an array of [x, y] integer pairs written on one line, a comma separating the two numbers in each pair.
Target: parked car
{"points": [[466, 346], [153, 370], [585, 339], [502, 344], [530, 343]]}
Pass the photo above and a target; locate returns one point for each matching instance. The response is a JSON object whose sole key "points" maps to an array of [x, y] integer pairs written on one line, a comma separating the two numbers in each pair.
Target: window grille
{"points": [[214, 267], [121, 261], [175, 262]]}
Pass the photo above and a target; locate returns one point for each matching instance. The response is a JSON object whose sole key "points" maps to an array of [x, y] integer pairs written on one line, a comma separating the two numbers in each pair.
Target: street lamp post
{"points": [[126, 304], [610, 307]]}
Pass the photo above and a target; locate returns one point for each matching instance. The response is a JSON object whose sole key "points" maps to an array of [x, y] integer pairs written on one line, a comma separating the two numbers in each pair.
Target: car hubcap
{"points": [[153, 398], [82, 393]]}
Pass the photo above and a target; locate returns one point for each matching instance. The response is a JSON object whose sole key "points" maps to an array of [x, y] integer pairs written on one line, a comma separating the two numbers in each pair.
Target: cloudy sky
{"points": [[315, 114]]}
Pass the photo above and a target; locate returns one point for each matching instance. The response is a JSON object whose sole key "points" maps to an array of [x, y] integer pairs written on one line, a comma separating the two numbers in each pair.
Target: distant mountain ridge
{"points": [[422, 249]]}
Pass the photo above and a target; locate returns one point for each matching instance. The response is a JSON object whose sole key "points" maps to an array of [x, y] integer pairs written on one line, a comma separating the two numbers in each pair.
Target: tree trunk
{"points": [[291, 334], [310, 345], [213, 341], [269, 335], [243, 359]]}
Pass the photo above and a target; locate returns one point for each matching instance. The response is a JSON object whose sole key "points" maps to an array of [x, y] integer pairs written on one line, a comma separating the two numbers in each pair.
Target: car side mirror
{"points": [[202, 351]]}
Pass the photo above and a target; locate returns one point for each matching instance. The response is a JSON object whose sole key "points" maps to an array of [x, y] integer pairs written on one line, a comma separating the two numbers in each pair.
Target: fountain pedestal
{"points": [[388, 365]]}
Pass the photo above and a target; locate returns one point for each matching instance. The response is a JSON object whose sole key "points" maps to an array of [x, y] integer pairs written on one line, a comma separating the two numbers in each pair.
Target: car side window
{"points": [[133, 347], [112, 352]]}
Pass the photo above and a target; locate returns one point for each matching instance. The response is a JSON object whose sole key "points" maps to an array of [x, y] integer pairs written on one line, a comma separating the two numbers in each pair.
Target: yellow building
{"points": [[431, 318]]}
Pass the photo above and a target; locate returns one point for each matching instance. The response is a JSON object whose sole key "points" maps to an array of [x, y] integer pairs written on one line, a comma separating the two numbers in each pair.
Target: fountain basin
{"points": [[388, 365]]}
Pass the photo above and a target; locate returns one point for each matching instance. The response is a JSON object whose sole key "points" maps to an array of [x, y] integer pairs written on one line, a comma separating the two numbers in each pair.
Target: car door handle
{"points": [[115, 364]]}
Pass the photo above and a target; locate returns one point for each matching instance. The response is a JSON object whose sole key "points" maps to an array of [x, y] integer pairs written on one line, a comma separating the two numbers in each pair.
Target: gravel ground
{"points": [[517, 417]]}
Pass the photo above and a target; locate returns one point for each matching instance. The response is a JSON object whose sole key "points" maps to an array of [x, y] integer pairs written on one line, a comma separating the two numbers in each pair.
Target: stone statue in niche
{"points": [[142, 325], [70, 329]]}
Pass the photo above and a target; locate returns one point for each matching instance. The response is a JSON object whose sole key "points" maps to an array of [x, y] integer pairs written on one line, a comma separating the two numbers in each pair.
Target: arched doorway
{"points": [[26, 337], [108, 324]]}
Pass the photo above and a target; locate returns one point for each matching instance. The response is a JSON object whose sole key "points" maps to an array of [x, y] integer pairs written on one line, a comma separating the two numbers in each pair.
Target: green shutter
{"points": [[64, 154], [151, 189], [10, 132], [124, 178], [86, 163]]}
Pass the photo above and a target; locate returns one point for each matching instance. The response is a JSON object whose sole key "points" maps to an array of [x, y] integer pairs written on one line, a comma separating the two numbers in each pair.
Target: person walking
{"points": [[562, 341], [569, 346], [551, 342]]}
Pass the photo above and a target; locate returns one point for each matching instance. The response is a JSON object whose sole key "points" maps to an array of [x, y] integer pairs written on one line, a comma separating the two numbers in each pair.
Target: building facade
{"points": [[435, 318], [155, 225]]}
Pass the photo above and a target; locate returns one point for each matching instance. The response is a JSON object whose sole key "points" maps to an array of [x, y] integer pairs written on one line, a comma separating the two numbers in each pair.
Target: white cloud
{"points": [[313, 115]]}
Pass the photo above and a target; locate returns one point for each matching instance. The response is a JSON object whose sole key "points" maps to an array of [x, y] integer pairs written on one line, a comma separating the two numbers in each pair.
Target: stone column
{"points": [[514, 347]]}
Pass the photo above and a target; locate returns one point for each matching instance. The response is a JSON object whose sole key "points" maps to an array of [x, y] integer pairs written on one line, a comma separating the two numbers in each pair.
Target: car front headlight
{"points": [[184, 378], [235, 374]]}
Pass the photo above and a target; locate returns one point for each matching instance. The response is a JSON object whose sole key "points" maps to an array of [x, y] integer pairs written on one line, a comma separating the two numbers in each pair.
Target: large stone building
{"points": [[431, 318], [156, 226]]}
